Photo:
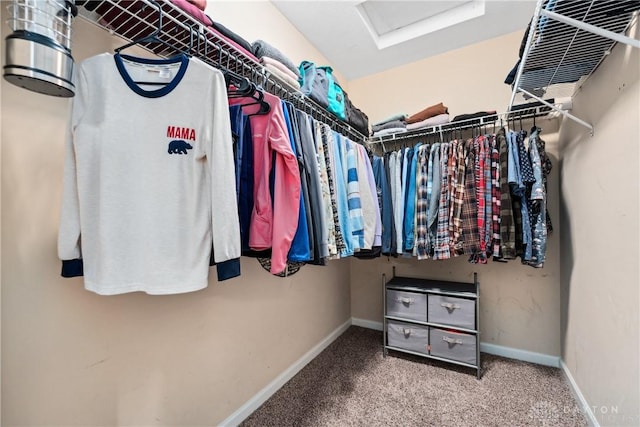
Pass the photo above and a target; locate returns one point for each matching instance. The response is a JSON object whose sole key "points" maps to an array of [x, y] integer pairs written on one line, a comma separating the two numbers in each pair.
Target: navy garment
{"points": [[300, 249], [394, 237], [384, 199], [243, 144], [298, 123]]}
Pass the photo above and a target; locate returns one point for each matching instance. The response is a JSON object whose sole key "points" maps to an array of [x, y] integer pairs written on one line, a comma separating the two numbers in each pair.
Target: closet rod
{"points": [[131, 19]]}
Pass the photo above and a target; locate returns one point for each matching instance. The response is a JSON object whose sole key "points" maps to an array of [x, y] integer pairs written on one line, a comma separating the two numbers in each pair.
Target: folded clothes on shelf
{"points": [[489, 115], [440, 119], [262, 48], [231, 35], [200, 4], [389, 131], [399, 116], [265, 60], [283, 76], [389, 125], [427, 113]]}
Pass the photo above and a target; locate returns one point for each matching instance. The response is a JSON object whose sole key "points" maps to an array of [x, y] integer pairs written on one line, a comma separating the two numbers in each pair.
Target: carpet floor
{"points": [[351, 384]]}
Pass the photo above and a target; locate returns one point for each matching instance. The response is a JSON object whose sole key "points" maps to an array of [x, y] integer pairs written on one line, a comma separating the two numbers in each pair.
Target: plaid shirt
{"points": [[478, 145], [452, 172], [422, 203], [434, 179], [441, 246], [495, 198], [458, 199], [507, 226], [470, 235], [488, 223]]}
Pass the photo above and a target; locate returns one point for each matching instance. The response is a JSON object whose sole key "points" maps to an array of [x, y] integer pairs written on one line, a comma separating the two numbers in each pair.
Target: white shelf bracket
{"points": [[561, 111]]}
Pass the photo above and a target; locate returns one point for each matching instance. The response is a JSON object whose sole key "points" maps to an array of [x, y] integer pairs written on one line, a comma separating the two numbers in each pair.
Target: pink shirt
{"points": [[273, 223]]}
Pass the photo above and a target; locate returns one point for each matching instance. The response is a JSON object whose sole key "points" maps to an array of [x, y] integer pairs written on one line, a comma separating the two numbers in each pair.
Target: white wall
{"points": [[70, 357], [600, 239], [520, 305]]}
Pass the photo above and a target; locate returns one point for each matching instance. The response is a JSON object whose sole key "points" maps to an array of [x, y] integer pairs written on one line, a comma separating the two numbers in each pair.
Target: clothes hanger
{"points": [[151, 38], [264, 105]]}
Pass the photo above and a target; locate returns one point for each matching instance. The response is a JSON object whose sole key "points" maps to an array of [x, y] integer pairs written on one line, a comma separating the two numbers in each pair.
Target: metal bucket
{"points": [[38, 52]]}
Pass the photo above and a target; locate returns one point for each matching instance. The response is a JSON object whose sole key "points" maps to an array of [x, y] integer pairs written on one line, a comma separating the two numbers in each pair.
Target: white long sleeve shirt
{"points": [[149, 181]]}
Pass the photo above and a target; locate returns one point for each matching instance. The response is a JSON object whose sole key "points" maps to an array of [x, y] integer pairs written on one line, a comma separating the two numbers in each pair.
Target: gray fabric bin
{"points": [[408, 305], [452, 311], [408, 336], [453, 345]]}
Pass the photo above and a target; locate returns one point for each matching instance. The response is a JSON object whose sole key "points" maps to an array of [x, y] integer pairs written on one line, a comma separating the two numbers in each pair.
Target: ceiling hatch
{"points": [[393, 22]]}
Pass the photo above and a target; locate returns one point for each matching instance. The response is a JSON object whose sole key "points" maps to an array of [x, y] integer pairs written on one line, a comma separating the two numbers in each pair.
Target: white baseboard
{"points": [[369, 324], [524, 355], [577, 394], [254, 403], [498, 350]]}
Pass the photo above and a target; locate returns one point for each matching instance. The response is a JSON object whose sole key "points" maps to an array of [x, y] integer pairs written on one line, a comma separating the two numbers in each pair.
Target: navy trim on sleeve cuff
{"points": [[228, 269], [72, 268]]}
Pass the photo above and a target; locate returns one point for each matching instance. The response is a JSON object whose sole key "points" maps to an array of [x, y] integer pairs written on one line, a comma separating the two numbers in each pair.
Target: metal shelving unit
{"points": [[134, 19], [567, 40]]}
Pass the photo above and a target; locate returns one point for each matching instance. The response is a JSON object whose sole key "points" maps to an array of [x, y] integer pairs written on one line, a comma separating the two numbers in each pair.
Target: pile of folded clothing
{"points": [[474, 118], [277, 63], [394, 124], [433, 115]]}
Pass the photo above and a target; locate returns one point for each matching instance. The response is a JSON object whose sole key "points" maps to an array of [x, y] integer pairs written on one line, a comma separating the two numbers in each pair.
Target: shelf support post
{"points": [[525, 53]]}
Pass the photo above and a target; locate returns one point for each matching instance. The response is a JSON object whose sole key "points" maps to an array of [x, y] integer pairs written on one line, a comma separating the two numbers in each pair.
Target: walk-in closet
{"points": [[320, 213]]}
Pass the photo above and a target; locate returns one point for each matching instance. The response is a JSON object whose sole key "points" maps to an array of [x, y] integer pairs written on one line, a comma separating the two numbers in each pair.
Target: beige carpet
{"points": [[351, 384]]}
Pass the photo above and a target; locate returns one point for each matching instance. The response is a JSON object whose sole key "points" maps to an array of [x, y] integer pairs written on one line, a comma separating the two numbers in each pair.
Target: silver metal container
{"points": [[38, 52]]}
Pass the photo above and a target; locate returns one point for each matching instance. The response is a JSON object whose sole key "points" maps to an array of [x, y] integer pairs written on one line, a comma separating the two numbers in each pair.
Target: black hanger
{"points": [[151, 38], [242, 86], [258, 95]]}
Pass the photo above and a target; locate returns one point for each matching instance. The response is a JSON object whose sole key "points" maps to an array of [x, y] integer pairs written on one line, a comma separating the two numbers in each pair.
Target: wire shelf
{"points": [[561, 54], [134, 19], [488, 122]]}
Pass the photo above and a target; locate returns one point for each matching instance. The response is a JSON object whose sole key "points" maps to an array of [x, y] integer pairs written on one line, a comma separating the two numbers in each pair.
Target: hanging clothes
{"points": [[538, 202], [384, 200], [326, 185], [300, 250], [312, 170], [241, 131], [139, 210], [274, 219], [481, 197], [410, 199], [507, 223]]}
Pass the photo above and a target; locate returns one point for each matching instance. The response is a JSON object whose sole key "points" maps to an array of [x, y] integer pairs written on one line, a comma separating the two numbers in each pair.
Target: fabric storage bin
{"points": [[408, 336], [452, 311], [409, 305], [453, 345]]}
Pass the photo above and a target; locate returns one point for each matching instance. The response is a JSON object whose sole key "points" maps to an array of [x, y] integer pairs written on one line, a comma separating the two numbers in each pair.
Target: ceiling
{"points": [[366, 37]]}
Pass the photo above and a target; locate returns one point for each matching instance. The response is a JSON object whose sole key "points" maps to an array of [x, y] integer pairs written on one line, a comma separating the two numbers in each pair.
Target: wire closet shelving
{"points": [[135, 19], [566, 42]]}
